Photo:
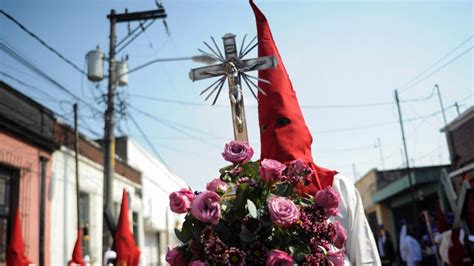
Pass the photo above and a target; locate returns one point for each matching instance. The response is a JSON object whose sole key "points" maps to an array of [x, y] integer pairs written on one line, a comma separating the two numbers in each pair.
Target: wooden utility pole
{"points": [[109, 116], [76, 159], [407, 161]]}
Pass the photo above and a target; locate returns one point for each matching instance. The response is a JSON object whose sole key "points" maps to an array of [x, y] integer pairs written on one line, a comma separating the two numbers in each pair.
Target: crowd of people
{"points": [[419, 245]]}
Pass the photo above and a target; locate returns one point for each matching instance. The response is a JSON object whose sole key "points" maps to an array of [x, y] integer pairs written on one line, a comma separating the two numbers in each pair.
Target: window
{"points": [[135, 226], [84, 205], [9, 192]]}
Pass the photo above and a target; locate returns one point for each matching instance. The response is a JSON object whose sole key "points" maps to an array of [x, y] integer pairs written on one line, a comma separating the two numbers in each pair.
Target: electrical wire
{"points": [[147, 140], [42, 74], [437, 62], [437, 70], [36, 37]]}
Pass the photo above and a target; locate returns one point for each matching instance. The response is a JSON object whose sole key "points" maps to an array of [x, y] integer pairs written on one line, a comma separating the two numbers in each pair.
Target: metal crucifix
{"points": [[232, 68]]}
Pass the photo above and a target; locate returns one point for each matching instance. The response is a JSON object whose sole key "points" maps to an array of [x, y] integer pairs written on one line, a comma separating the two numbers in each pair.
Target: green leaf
{"points": [[283, 189], [252, 209]]}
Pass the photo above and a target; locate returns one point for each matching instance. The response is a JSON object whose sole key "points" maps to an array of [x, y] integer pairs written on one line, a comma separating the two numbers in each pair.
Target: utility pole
{"points": [[448, 139], [354, 172], [379, 144], [441, 104], [76, 159], [457, 108], [407, 161], [109, 116]]}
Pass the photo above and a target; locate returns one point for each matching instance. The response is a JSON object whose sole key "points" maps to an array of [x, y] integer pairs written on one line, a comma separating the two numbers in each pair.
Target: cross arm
{"points": [[206, 72], [261, 63]]}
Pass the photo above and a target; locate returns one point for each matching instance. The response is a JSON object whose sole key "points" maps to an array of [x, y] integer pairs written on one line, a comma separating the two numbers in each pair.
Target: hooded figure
{"points": [[16, 248], [77, 258], [285, 137], [127, 251]]}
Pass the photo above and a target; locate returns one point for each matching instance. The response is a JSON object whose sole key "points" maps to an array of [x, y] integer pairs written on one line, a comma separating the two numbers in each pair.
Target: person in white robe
{"points": [[360, 244], [410, 249]]}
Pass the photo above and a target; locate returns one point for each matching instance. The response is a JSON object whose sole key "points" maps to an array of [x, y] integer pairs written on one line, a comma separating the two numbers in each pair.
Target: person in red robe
{"points": [[285, 137], [128, 252], [77, 258], [16, 248]]}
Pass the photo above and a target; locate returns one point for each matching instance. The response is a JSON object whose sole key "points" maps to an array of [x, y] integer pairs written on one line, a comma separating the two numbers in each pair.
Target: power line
{"points": [[337, 106], [176, 127], [439, 69], [36, 37], [42, 74], [147, 140], [179, 102], [436, 63]]}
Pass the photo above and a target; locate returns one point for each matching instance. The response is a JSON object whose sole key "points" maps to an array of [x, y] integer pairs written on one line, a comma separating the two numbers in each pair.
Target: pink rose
{"points": [[206, 207], [336, 257], [237, 152], [174, 257], [180, 201], [198, 263], [271, 169], [329, 199], [217, 185], [283, 211], [279, 258], [340, 236]]}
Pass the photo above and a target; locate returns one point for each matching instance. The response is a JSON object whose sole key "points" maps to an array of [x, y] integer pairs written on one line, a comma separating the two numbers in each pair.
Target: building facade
{"points": [[390, 196], [91, 176], [158, 182], [26, 146], [37, 175]]}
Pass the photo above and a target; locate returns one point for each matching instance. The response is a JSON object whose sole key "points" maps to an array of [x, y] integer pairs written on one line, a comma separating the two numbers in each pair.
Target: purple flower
{"points": [[214, 248], [237, 152], [257, 254], [339, 236], [217, 185], [283, 211], [297, 167], [279, 258], [180, 201], [270, 170], [234, 257], [206, 207], [175, 258], [329, 199], [335, 258]]}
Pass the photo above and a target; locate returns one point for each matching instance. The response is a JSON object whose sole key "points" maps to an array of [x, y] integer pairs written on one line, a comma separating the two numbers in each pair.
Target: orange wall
{"points": [[20, 154]]}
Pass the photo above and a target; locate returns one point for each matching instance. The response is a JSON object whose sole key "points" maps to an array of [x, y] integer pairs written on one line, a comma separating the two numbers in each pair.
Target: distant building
{"points": [[460, 136], [387, 196], [91, 176], [158, 182], [26, 147], [37, 174]]}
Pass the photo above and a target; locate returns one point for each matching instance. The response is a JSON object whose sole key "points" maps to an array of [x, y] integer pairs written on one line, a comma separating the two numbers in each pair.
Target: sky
{"points": [[345, 59]]}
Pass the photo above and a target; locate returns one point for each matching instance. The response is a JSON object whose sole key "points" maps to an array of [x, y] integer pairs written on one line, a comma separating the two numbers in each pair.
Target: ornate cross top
{"points": [[232, 68]]}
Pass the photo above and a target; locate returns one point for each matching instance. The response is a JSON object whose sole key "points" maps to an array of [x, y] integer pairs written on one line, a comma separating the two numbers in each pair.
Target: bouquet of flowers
{"points": [[253, 214]]}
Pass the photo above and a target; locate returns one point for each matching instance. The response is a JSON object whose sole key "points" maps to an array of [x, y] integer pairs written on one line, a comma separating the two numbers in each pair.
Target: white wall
{"points": [[63, 206], [158, 182]]}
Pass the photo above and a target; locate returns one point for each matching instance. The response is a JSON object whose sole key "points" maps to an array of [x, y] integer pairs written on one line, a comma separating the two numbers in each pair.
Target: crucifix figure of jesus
{"points": [[232, 67]]}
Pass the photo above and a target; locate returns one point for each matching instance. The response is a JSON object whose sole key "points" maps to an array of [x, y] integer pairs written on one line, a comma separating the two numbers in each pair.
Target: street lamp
{"points": [[95, 64]]}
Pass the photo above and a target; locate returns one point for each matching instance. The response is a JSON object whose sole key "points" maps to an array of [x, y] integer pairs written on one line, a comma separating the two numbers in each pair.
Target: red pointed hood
{"points": [[16, 248], [284, 135], [77, 258], [127, 249]]}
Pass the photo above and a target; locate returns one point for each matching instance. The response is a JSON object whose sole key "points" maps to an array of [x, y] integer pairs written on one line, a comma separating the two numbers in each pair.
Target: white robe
{"points": [[360, 244]]}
